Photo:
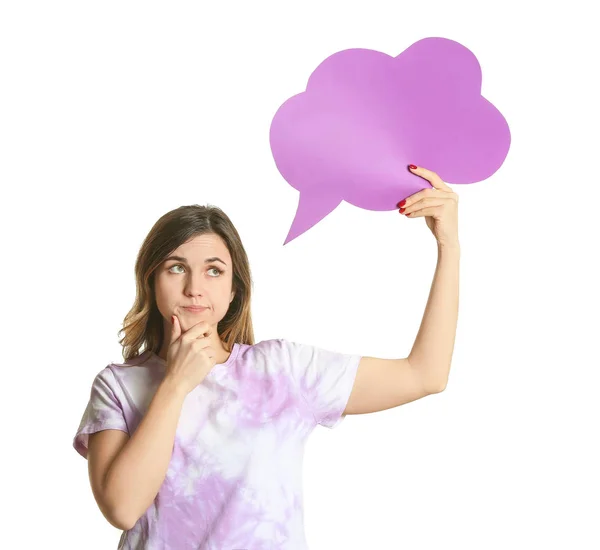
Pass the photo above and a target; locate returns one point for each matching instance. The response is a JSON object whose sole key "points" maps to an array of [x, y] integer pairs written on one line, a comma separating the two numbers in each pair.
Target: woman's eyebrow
{"points": [[207, 261]]}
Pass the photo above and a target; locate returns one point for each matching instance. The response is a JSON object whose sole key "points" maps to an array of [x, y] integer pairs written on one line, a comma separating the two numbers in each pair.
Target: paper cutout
{"points": [[366, 115]]}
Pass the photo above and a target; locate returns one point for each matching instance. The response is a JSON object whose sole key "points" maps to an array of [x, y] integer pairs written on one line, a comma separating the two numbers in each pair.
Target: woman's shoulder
{"points": [[144, 359], [140, 370], [270, 346]]}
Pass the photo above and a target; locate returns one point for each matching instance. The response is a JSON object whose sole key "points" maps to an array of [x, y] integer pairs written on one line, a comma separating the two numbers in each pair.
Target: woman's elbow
{"points": [[120, 520]]}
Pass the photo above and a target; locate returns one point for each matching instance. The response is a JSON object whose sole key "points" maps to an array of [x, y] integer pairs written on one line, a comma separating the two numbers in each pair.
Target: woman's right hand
{"points": [[189, 357]]}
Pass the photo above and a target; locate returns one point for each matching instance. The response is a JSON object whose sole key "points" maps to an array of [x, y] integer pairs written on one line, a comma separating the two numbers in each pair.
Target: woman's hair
{"points": [[143, 325]]}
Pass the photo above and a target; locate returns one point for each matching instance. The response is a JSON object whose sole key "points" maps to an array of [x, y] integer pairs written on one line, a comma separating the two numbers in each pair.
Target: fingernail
{"points": [[402, 210], [173, 319], [412, 166], [402, 203]]}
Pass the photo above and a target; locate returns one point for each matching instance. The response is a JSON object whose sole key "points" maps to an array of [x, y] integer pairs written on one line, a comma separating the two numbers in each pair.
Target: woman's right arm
{"points": [[126, 473]]}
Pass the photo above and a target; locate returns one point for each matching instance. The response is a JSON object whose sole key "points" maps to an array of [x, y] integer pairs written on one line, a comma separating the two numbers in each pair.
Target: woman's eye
{"points": [[211, 269]]}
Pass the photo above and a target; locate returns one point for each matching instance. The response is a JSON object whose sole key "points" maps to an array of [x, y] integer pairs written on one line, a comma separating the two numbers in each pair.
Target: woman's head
{"points": [[177, 267]]}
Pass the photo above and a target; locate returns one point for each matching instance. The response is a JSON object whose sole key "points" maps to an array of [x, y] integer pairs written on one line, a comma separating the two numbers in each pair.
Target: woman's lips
{"points": [[195, 309]]}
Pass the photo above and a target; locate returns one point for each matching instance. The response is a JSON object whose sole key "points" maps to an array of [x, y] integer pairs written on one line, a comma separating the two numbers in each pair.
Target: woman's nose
{"points": [[195, 285]]}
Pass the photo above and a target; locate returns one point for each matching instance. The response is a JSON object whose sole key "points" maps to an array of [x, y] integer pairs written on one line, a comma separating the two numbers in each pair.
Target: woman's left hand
{"points": [[439, 206]]}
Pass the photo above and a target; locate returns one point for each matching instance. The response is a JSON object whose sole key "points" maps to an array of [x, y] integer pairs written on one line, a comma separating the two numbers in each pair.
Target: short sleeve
{"points": [[103, 411], [325, 379]]}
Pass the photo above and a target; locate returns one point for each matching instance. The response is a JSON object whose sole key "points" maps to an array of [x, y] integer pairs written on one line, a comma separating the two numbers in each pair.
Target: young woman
{"points": [[196, 440]]}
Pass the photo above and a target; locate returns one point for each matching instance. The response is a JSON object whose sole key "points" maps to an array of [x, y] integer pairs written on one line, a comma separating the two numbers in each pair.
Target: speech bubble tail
{"points": [[312, 208]]}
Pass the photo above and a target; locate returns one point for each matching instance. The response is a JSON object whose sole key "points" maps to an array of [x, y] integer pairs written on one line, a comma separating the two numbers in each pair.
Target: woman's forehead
{"points": [[203, 246]]}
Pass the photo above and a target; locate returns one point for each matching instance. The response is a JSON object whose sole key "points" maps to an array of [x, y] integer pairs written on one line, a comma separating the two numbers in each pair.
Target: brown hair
{"points": [[143, 325]]}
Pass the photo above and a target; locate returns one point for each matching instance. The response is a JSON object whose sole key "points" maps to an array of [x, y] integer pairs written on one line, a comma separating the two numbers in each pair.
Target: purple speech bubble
{"points": [[366, 115]]}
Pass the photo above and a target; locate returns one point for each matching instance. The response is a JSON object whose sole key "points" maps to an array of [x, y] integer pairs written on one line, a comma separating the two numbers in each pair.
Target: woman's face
{"points": [[198, 272]]}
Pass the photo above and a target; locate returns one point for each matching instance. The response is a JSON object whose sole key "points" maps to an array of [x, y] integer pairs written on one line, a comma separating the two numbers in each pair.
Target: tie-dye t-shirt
{"points": [[234, 481]]}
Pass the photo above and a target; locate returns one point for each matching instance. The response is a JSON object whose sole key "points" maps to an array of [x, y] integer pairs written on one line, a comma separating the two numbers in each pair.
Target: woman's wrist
{"points": [[173, 387]]}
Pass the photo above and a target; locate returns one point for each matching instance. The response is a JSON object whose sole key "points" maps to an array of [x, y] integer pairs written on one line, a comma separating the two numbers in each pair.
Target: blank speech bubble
{"points": [[366, 115]]}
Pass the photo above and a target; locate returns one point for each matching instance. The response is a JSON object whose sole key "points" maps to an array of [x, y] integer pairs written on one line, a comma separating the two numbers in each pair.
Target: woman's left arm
{"points": [[381, 384]]}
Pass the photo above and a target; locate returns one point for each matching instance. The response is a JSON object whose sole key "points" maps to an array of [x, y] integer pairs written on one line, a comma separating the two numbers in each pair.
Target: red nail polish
{"points": [[412, 166], [402, 210], [402, 203]]}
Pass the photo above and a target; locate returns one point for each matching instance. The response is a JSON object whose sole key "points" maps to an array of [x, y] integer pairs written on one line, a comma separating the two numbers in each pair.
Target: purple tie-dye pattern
{"points": [[234, 481]]}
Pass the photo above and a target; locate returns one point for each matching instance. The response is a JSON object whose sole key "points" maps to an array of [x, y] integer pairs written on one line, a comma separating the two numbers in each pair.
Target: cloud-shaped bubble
{"points": [[366, 115]]}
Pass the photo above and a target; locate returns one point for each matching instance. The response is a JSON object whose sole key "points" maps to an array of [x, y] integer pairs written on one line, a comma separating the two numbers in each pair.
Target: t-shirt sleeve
{"points": [[103, 411], [325, 379]]}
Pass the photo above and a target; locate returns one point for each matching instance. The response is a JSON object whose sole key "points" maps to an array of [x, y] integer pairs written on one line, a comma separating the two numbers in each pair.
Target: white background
{"points": [[113, 113]]}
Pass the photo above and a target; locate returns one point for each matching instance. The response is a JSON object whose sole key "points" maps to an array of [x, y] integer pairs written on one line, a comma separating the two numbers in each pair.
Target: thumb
{"points": [[175, 329]]}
